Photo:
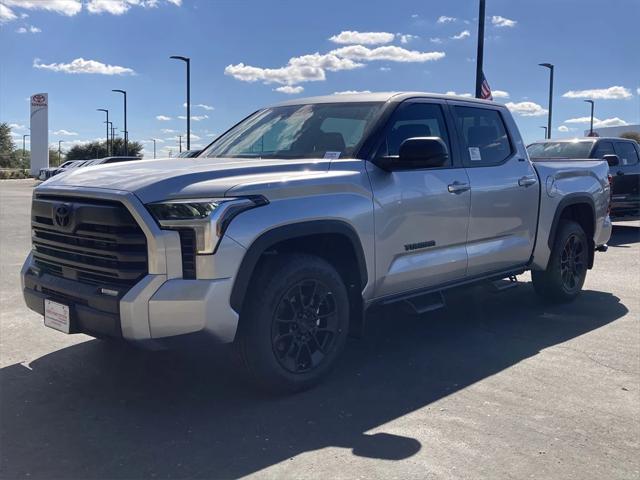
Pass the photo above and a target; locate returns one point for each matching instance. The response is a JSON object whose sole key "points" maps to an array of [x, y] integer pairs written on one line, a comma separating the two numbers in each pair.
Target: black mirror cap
{"points": [[612, 159], [424, 152]]}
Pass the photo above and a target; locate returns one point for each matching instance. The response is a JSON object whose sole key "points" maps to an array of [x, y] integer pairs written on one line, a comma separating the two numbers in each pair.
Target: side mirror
{"points": [[612, 160], [416, 153]]}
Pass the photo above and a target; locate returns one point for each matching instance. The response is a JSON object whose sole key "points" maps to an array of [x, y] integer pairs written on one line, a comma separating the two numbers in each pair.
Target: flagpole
{"points": [[480, 54]]}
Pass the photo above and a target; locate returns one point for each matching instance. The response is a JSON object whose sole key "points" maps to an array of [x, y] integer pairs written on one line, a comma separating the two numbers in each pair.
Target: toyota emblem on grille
{"points": [[62, 215]]}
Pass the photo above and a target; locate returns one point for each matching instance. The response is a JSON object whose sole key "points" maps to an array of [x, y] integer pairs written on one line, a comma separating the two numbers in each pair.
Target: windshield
{"points": [[576, 149], [298, 131]]}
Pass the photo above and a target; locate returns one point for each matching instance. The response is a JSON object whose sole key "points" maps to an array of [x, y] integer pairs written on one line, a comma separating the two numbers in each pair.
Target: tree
{"points": [[93, 150], [631, 135], [7, 147]]}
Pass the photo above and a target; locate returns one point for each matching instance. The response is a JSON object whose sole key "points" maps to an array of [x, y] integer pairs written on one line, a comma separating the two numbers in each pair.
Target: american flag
{"points": [[485, 89]]}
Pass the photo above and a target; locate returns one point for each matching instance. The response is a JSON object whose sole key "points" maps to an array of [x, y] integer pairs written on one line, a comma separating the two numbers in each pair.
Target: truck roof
{"points": [[583, 139], [376, 97]]}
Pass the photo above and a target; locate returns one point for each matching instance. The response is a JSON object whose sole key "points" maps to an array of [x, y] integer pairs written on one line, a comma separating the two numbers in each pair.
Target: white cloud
{"points": [[415, 15], [195, 118], [385, 69], [80, 65], [406, 37], [351, 92], [461, 35], [28, 29], [63, 7], [200, 105], [194, 137], [119, 7], [445, 19], [168, 130], [608, 122], [451, 92], [390, 53], [500, 94], [65, 132], [564, 129], [16, 126], [437, 40], [163, 118], [309, 68], [611, 93], [527, 109], [289, 90], [499, 21], [364, 38], [638, 90], [6, 14]]}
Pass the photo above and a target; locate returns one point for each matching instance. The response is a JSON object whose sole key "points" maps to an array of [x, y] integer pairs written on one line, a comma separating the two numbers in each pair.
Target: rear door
{"points": [[626, 186], [504, 189], [421, 215]]}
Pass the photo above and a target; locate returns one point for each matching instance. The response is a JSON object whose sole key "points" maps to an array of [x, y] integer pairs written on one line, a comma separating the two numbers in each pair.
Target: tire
{"points": [[294, 323], [566, 271]]}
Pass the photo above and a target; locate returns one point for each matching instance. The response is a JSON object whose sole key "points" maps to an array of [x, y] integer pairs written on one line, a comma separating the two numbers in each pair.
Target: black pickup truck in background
{"points": [[623, 156]]}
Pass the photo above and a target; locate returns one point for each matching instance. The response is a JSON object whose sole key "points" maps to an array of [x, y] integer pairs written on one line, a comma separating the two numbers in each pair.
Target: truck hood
{"points": [[154, 180]]}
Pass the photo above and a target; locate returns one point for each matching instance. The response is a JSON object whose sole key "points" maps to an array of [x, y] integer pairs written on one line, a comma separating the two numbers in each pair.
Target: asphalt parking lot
{"points": [[497, 385]]}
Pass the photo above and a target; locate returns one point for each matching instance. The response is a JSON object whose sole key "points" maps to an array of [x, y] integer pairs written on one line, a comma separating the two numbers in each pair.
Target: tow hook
{"points": [[602, 248]]}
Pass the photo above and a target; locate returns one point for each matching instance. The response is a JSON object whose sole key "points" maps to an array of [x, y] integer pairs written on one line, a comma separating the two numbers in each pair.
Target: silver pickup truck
{"points": [[284, 231]]}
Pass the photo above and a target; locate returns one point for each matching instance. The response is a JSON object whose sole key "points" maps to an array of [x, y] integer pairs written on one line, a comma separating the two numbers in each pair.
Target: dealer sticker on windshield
{"points": [[332, 155], [474, 154]]}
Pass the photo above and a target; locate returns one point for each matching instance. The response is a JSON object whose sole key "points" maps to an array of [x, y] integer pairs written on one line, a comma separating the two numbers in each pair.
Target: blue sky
{"points": [[244, 51]]}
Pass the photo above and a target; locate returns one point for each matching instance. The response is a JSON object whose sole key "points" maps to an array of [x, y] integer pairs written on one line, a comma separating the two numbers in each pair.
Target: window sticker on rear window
{"points": [[474, 154], [332, 155]]}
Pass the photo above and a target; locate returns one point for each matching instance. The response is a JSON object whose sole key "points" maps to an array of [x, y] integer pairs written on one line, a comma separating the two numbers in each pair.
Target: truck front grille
{"points": [[92, 241]]}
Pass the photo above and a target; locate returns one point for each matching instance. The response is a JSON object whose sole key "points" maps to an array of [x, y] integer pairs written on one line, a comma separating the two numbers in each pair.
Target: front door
{"points": [[626, 179], [504, 190], [421, 215]]}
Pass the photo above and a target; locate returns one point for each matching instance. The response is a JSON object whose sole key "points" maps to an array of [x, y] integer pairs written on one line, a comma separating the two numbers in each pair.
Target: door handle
{"points": [[527, 181], [458, 187]]}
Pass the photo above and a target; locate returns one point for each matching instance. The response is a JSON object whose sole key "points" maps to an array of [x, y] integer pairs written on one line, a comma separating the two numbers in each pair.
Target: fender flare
{"points": [[288, 232], [569, 200]]}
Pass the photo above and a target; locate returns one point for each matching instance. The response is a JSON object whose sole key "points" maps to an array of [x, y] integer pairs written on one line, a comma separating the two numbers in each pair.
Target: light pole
{"points": [[59, 152], [550, 67], [545, 131], [107, 122], [480, 53], [126, 132], [187, 60], [23, 145], [154, 147], [113, 138], [109, 129], [180, 142], [591, 127]]}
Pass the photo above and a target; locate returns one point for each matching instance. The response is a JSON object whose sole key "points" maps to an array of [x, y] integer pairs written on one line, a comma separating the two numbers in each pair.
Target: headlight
{"points": [[208, 217]]}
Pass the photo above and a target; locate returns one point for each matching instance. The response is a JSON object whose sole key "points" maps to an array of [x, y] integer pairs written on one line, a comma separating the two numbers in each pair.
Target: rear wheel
{"points": [[566, 272], [295, 322]]}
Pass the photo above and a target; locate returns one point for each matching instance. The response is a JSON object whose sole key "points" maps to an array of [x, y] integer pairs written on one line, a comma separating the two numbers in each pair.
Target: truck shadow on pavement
{"points": [[623, 235], [97, 410]]}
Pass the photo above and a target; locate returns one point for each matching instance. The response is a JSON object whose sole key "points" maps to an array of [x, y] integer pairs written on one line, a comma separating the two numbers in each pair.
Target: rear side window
{"points": [[602, 149], [626, 153], [485, 135]]}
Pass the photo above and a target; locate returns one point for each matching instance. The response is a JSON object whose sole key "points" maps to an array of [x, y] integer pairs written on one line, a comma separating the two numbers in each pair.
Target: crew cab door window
{"points": [[414, 120], [484, 134], [626, 153], [602, 149]]}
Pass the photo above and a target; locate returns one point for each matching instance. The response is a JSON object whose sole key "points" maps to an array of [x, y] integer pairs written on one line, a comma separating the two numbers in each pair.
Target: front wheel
{"points": [[295, 322], [566, 271]]}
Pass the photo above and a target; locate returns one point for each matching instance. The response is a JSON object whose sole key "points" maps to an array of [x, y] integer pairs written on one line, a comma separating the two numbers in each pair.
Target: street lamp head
{"points": [[589, 101], [548, 65], [180, 57], [119, 91], [102, 110]]}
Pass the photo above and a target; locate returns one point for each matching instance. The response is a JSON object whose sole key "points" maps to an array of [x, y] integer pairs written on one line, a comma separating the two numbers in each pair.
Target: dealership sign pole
{"points": [[39, 132]]}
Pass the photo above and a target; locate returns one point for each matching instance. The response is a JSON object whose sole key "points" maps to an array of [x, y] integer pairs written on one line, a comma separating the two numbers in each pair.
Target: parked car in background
{"points": [[105, 160], [285, 230], [189, 154], [46, 173], [623, 156]]}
